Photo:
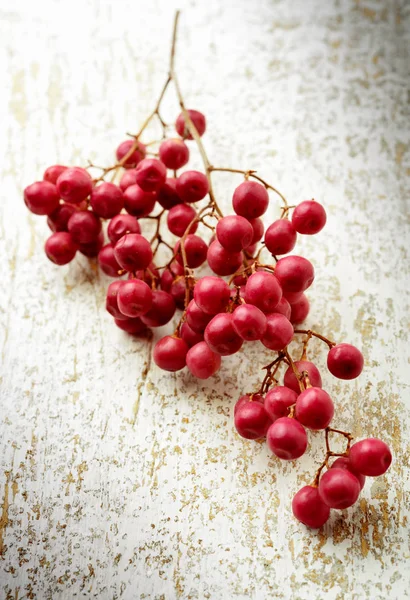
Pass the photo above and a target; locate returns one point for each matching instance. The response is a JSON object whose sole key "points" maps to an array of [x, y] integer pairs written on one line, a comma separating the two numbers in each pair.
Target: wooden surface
{"points": [[121, 481]]}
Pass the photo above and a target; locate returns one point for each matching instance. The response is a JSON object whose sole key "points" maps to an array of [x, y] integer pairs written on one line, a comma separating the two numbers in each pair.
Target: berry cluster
{"points": [[246, 299]]}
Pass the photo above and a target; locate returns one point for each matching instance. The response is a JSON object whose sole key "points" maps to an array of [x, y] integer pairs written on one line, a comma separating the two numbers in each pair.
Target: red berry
{"points": [[292, 297], [41, 198], [192, 186], [370, 457], [249, 322], [308, 507], [134, 298], [314, 408], [197, 118], [287, 438], [170, 353], [221, 261], [196, 318], [258, 229], [201, 361], [251, 420], [190, 336], [263, 290], [91, 249], [283, 307], [132, 326], [107, 200], [221, 336], [107, 261], [51, 174], [137, 202], [278, 401], [84, 226], [58, 219], [290, 380], [178, 292], [60, 248], [111, 301], [345, 361], [167, 196], [133, 252], [174, 153], [295, 273], [212, 295], [299, 310], [309, 217], [279, 332], [151, 174], [169, 274], [195, 249], [339, 488], [344, 463], [234, 233], [179, 217], [280, 237], [162, 310], [74, 185], [135, 157], [121, 225], [128, 178], [250, 200]]}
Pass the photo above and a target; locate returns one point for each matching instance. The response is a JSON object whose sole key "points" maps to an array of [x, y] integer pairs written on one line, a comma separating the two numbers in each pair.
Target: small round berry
{"points": [[290, 380], [314, 408], [249, 322], [234, 233], [137, 202], [278, 401], [174, 153], [299, 310], [221, 336], [60, 248], [280, 237], [212, 295], [151, 174], [287, 438], [251, 420], [107, 200], [41, 198], [343, 462], [309, 217], [133, 252], [120, 225], [58, 219], [74, 185], [178, 292], [111, 301], [197, 118], [134, 298], [263, 290], [107, 261], [284, 308], [168, 196], [190, 336], [179, 217], [279, 332], [196, 318], [192, 186], [292, 297], [84, 226], [170, 353], [308, 507], [339, 488], [258, 230], [195, 249], [128, 178], [92, 249], [295, 273], [201, 361], [345, 361], [162, 310], [135, 157], [132, 326], [51, 174], [170, 274], [250, 200], [221, 261], [371, 457]]}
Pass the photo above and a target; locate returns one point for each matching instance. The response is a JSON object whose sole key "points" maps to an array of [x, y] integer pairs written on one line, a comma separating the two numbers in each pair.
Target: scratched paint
{"points": [[121, 481]]}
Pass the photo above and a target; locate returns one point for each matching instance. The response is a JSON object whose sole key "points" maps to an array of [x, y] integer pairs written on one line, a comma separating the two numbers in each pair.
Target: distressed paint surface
{"points": [[121, 481]]}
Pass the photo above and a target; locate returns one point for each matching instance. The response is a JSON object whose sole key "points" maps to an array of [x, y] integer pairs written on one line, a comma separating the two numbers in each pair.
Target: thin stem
{"points": [[311, 333], [297, 373]]}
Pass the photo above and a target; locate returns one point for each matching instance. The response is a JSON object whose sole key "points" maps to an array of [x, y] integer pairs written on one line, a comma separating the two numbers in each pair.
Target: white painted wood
{"points": [[118, 480]]}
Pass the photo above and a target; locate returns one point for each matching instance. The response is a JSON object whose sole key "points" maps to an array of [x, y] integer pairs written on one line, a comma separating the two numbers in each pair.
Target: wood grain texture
{"points": [[121, 481]]}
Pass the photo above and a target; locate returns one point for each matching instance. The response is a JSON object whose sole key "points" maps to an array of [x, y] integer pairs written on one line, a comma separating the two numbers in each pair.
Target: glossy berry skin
{"points": [[339, 488], [250, 200], [250, 418], [91, 249], [168, 275], [41, 198], [132, 326], [279, 332], [179, 217], [162, 310], [107, 200], [196, 251], [292, 297], [74, 185], [278, 401], [258, 230], [137, 155], [280, 237], [202, 362], [133, 252], [84, 226], [60, 248], [170, 353], [192, 186], [314, 408], [263, 290], [167, 195], [134, 298], [221, 261], [196, 318], [284, 308], [178, 292], [137, 202], [245, 399], [344, 463], [197, 118], [371, 457], [128, 178], [174, 153], [58, 219], [345, 361], [308, 508], [249, 322], [190, 336], [299, 310], [221, 336], [111, 301], [151, 174], [212, 295], [121, 225], [287, 439], [107, 261], [51, 174], [309, 217], [234, 233], [290, 380], [294, 273]]}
